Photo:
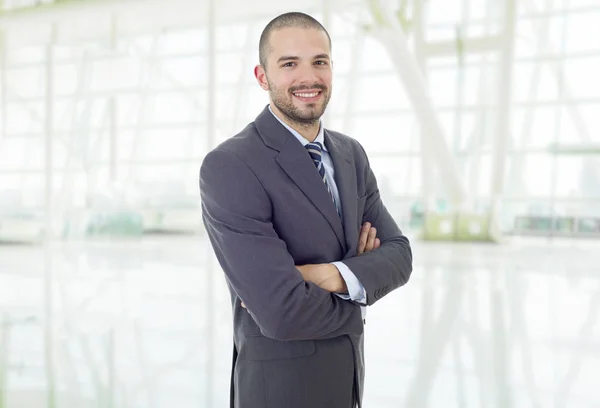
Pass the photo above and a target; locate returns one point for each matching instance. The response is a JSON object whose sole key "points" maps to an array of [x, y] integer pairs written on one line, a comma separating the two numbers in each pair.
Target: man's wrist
{"points": [[338, 285]]}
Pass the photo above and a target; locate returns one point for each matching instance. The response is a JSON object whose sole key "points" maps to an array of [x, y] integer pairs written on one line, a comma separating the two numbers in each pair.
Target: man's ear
{"points": [[261, 76]]}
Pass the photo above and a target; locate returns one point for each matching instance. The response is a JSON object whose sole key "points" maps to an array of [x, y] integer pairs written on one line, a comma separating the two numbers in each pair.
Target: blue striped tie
{"points": [[315, 151]]}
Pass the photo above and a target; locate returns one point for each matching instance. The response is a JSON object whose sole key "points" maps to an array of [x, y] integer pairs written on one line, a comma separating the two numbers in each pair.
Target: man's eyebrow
{"points": [[294, 58], [287, 58]]}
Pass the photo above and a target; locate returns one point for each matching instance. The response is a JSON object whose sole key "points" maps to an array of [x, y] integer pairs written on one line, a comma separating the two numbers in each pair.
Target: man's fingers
{"points": [[364, 236], [243, 305], [368, 240], [371, 239]]}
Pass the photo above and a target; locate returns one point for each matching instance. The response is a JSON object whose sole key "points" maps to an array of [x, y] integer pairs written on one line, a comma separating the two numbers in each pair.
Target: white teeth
{"points": [[307, 95]]}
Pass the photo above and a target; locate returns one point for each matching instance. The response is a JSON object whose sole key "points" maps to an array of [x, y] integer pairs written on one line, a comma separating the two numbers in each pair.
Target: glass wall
{"points": [[129, 106]]}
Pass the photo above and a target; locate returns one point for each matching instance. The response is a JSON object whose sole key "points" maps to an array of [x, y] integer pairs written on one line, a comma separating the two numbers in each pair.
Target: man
{"points": [[292, 210]]}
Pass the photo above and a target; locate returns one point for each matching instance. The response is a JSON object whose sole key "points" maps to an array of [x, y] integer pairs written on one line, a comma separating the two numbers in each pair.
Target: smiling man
{"points": [[295, 218]]}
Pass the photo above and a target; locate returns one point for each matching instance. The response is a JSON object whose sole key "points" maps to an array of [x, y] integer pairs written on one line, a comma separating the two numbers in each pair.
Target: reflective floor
{"points": [[146, 323]]}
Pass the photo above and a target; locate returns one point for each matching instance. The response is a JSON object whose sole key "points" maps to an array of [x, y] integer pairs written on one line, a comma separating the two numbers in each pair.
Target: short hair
{"points": [[287, 20]]}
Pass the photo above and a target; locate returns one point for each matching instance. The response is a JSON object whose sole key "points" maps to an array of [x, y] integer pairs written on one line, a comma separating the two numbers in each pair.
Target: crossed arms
{"points": [[327, 276], [286, 304]]}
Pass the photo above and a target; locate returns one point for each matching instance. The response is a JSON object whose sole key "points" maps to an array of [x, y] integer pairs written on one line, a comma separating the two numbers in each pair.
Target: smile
{"points": [[309, 95]]}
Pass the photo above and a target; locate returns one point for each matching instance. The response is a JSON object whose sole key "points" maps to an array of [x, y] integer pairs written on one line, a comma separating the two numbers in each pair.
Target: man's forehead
{"points": [[299, 37]]}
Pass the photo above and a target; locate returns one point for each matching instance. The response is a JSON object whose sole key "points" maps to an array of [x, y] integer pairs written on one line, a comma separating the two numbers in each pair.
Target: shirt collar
{"points": [[320, 136]]}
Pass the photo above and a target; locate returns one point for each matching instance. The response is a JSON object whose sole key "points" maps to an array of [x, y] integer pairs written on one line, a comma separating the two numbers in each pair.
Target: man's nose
{"points": [[308, 74]]}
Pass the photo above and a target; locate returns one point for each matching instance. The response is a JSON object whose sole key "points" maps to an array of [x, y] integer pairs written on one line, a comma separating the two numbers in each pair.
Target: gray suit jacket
{"points": [[266, 210]]}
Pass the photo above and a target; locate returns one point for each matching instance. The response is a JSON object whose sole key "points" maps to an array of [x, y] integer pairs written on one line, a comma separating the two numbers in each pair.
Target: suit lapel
{"points": [[345, 179], [297, 164]]}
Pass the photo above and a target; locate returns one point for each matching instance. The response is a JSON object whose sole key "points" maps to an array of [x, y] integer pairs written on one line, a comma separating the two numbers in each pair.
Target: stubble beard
{"points": [[306, 118]]}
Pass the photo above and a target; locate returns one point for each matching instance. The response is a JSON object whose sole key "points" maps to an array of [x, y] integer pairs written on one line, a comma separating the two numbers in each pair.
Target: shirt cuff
{"points": [[356, 291]]}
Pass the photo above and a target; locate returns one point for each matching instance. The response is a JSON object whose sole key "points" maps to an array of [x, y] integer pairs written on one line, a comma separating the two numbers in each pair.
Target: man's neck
{"points": [[309, 131]]}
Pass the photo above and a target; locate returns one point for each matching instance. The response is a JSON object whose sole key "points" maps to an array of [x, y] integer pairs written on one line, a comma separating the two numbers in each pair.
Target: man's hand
{"points": [[367, 241], [325, 276]]}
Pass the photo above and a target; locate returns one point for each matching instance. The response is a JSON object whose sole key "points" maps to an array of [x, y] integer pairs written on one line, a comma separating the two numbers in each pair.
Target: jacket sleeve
{"points": [[388, 267], [237, 216]]}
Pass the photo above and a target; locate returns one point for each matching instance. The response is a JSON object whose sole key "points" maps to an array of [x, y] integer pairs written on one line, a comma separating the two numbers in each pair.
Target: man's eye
{"points": [[321, 62], [288, 64]]}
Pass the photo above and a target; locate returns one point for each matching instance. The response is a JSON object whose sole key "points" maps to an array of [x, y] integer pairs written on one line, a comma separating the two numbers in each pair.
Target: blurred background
{"points": [[481, 119]]}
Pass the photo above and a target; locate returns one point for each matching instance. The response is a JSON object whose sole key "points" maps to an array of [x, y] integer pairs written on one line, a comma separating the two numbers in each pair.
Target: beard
{"points": [[306, 116]]}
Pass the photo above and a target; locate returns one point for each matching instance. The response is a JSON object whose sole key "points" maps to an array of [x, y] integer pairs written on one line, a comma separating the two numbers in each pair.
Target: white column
{"points": [[112, 154], [49, 129], [352, 81], [394, 41], [211, 130], [112, 110], [427, 162], [505, 75], [3, 85], [48, 170]]}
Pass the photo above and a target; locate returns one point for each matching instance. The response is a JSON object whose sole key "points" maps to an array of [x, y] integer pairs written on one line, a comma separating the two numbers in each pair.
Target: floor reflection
{"points": [[147, 324]]}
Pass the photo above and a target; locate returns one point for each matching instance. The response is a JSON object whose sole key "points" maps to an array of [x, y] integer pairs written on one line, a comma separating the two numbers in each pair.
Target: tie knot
{"points": [[314, 149]]}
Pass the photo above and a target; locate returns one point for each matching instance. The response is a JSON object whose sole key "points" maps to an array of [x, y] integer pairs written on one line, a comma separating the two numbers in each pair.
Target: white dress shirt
{"points": [[356, 290]]}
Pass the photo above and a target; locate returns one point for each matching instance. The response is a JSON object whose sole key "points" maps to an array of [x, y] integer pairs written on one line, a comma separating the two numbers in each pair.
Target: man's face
{"points": [[298, 73]]}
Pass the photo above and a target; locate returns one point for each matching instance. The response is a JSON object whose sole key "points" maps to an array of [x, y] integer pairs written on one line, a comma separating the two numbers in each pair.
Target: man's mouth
{"points": [[308, 95]]}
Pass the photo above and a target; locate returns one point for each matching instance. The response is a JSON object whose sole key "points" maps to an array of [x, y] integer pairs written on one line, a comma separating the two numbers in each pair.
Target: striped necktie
{"points": [[315, 150]]}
